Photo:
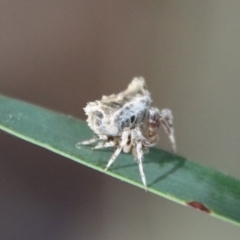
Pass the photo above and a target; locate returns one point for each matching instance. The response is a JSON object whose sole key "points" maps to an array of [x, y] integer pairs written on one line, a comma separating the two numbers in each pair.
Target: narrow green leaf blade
{"points": [[168, 175]]}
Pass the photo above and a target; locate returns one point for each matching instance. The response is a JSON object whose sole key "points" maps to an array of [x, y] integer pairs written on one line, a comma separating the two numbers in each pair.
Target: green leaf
{"points": [[168, 175]]}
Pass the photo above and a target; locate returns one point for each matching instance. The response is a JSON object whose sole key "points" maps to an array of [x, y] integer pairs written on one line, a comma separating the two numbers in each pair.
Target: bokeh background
{"points": [[62, 54]]}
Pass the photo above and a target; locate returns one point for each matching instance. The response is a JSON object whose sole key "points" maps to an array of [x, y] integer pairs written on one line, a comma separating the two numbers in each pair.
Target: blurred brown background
{"points": [[62, 54]]}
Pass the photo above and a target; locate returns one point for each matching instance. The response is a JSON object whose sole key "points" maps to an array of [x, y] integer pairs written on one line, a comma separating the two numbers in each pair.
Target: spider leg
{"points": [[91, 141], [87, 142], [166, 119], [104, 145], [123, 142], [139, 153]]}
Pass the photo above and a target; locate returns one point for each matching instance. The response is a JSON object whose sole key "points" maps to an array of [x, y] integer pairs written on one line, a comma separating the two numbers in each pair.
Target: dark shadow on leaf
{"points": [[124, 166], [161, 158], [176, 167]]}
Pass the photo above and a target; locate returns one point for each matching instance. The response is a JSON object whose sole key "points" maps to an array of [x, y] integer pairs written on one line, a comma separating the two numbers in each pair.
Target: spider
{"points": [[128, 122]]}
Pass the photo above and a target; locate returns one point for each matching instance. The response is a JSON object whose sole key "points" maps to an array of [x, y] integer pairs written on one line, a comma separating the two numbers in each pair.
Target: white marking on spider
{"points": [[128, 122]]}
